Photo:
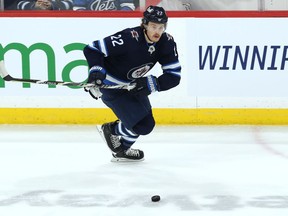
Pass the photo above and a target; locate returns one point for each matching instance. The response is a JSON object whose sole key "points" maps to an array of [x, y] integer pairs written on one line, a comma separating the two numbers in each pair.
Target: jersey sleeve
{"points": [[114, 45], [170, 65], [111, 46]]}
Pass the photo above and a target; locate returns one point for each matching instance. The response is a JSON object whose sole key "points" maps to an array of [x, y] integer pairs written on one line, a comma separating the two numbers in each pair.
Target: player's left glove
{"points": [[144, 86]]}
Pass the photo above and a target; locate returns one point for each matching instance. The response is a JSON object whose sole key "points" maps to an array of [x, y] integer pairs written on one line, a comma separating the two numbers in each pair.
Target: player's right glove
{"points": [[96, 76], [94, 92]]}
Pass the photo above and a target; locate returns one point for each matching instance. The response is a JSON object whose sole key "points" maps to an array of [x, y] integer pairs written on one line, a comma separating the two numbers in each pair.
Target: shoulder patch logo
{"points": [[135, 34], [170, 37]]}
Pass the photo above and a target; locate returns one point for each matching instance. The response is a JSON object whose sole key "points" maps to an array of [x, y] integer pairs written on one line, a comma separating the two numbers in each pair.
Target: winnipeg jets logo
{"points": [[139, 71], [99, 5], [135, 34], [150, 9], [169, 36]]}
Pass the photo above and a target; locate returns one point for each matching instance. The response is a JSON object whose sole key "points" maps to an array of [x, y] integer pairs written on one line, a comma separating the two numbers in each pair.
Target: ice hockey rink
{"points": [[197, 170]]}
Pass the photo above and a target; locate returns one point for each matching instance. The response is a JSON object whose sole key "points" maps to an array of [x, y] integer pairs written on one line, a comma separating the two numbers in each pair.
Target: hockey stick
{"points": [[5, 75]]}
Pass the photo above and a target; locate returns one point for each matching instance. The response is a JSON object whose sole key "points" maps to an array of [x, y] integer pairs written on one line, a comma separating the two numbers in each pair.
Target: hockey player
{"points": [[103, 5], [124, 58]]}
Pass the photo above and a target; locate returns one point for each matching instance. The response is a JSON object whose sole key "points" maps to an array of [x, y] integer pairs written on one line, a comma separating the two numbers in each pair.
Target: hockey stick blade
{"points": [[5, 75]]}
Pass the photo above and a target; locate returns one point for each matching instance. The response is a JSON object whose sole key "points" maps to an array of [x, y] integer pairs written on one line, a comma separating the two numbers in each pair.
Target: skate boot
{"points": [[112, 141], [129, 155]]}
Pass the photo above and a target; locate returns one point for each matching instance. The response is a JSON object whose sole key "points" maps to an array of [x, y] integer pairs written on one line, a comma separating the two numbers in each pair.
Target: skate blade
{"points": [[98, 127], [125, 160]]}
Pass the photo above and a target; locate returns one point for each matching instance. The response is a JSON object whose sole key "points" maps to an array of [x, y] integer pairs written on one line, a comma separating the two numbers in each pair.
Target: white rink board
{"points": [[199, 88], [223, 74]]}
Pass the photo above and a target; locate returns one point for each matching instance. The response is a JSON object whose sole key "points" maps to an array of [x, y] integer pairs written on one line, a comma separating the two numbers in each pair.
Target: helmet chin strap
{"points": [[147, 37]]}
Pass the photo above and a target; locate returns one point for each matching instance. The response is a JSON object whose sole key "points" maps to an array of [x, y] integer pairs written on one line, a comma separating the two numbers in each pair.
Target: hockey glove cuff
{"points": [[144, 86], [96, 75], [94, 92]]}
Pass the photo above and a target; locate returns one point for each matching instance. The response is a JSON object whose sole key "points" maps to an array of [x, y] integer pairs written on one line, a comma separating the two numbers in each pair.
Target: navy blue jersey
{"points": [[126, 56]]}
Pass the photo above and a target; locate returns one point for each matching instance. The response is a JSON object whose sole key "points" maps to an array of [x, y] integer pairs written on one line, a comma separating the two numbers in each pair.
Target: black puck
{"points": [[155, 198]]}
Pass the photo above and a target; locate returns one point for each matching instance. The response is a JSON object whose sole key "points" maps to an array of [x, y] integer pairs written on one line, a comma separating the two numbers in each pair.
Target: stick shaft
{"points": [[5, 75]]}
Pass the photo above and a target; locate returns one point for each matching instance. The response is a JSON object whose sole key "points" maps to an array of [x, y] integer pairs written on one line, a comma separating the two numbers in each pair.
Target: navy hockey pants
{"points": [[135, 112]]}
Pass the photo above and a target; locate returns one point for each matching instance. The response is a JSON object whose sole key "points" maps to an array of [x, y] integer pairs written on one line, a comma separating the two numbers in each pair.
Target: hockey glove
{"points": [[94, 92], [96, 75], [144, 86]]}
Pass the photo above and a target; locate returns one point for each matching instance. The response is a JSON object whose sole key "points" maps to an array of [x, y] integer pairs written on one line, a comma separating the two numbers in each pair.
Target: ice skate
{"points": [[112, 141], [129, 155]]}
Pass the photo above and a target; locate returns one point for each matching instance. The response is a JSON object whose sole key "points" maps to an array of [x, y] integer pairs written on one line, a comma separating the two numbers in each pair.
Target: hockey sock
{"points": [[128, 138]]}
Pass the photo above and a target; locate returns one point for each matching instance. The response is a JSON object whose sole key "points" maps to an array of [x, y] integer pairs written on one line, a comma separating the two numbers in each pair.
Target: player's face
{"points": [[154, 31]]}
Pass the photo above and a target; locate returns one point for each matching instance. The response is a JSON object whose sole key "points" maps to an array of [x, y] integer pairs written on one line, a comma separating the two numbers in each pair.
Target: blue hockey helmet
{"points": [[154, 14]]}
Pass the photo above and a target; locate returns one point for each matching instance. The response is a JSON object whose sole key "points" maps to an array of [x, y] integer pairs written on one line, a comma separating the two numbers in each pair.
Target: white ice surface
{"points": [[197, 170]]}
